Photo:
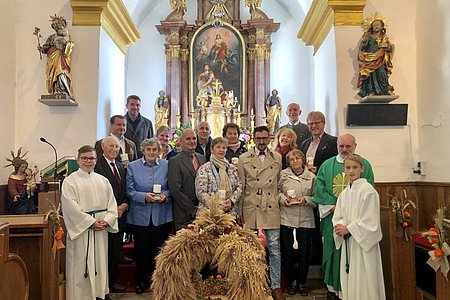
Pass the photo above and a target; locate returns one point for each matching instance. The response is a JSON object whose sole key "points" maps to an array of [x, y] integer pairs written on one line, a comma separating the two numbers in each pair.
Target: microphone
{"points": [[56, 156]]}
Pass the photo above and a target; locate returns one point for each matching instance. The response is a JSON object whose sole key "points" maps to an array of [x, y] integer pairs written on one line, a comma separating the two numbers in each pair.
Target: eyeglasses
{"points": [[314, 123], [261, 139], [90, 159]]}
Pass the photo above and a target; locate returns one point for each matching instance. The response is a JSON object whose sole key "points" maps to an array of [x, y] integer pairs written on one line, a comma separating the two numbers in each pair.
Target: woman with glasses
{"points": [[150, 212], [296, 186]]}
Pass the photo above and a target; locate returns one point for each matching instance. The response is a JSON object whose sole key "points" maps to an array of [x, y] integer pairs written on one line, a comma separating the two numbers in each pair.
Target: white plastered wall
{"points": [[22, 79], [391, 150]]}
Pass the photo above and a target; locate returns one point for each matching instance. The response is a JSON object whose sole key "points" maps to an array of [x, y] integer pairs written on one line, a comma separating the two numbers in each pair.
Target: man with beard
{"points": [[259, 170], [331, 181]]}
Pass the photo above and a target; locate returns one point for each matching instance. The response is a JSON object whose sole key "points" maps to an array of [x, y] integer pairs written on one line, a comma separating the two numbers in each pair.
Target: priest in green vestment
{"points": [[331, 181]]}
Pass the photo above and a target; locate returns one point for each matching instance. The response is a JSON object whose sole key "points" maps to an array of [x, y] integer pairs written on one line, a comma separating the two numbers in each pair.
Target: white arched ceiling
{"points": [[140, 9]]}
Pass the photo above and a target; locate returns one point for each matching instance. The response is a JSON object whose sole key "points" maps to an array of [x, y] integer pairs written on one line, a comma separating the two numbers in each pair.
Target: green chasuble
{"points": [[331, 181]]}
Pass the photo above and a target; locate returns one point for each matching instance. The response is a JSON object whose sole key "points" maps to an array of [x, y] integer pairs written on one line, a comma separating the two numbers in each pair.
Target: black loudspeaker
{"points": [[377, 114]]}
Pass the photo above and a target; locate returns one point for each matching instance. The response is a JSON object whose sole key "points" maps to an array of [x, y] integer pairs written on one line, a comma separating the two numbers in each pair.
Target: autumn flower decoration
{"points": [[437, 236], [402, 209], [213, 285], [54, 216], [174, 140]]}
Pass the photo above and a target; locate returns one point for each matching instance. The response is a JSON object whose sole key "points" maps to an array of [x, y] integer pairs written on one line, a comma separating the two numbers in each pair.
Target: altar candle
{"points": [[157, 188], [239, 107], [251, 112]]}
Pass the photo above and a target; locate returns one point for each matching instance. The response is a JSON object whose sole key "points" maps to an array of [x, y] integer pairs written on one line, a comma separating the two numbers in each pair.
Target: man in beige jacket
{"points": [[259, 170]]}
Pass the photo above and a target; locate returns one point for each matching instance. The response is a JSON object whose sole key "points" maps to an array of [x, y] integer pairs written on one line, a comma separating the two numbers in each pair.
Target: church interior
{"points": [[307, 50]]}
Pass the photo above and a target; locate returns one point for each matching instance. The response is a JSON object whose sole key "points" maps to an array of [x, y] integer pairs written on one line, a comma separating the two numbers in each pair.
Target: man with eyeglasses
{"points": [[90, 212], [259, 170], [317, 149], [320, 146], [293, 112]]}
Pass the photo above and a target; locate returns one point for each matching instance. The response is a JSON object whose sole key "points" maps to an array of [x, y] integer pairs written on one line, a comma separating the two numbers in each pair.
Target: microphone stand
{"points": [[56, 161]]}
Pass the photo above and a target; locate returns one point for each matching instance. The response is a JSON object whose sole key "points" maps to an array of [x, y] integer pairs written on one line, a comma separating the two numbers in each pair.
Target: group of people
{"points": [[280, 190]]}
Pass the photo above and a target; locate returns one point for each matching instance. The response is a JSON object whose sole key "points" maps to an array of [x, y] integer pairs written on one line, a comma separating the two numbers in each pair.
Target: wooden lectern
{"points": [[31, 238]]}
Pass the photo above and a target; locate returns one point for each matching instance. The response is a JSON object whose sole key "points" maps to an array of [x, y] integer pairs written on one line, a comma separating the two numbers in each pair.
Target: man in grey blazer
{"points": [[182, 171], [139, 128]]}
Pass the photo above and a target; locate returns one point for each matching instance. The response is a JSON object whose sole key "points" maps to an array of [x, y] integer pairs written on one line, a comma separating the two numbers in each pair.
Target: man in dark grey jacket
{"points": [[293, 112], [139, 128]]}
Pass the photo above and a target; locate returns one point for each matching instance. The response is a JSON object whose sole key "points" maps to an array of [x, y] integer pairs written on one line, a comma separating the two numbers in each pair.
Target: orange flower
{"points": [[405, 224], [432, 229], [437, 252], [435, 239], [407, 215]]}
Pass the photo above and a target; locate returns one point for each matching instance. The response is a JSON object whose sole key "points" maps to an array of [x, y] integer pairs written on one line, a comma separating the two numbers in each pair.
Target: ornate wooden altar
{"points": [[218, 68]]}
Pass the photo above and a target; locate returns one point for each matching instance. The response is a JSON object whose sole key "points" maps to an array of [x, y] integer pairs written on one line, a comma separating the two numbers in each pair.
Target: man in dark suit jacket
{"points": [[118, 129], [182, 171], [293, 112], [317, 149], [204, 139], [320, 146], [111, 169], [139, 128]]}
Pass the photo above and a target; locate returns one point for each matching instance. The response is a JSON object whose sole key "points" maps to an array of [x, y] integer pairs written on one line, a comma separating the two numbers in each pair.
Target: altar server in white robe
{"points": [[357, 230], [90, 212]]}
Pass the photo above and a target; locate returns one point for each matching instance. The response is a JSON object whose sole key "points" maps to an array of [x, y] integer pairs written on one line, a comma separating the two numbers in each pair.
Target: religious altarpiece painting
{"points": [[217, 74]]}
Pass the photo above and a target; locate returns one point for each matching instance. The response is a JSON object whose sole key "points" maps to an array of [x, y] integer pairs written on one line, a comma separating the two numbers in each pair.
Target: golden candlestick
{"points": [[252, 122], [238, 118], [178, 121], [192, 118]]}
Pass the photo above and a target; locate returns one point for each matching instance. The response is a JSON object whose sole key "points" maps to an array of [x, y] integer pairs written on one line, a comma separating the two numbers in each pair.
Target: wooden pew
{"points": [[14, 282], [31, 238]]}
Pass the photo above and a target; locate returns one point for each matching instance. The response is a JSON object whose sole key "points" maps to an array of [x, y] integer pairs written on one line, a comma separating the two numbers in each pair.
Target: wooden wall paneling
{"points": [[428, 204], [4, 209], [442, 287], [398, 260], [386, 254]]}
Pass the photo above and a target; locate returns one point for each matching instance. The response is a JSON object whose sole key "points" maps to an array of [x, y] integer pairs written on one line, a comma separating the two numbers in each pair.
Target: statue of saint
{"points": [[21, 186], [162, 109], [58, 48], [273, 111], [375, 59]]}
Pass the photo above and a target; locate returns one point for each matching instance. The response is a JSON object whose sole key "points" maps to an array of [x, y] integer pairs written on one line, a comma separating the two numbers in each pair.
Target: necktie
{"points": [[116, 174], [195, 162]]}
